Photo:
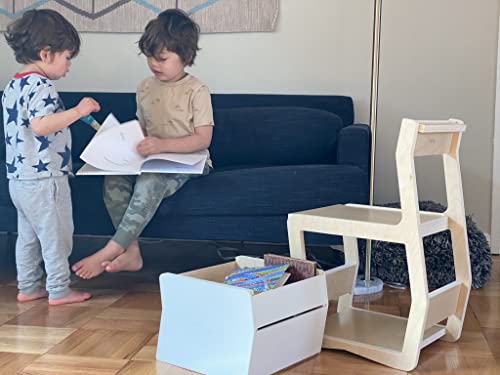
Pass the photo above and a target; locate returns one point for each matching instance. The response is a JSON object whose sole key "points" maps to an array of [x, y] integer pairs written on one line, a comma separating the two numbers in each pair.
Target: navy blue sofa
{"points": [[273, 154]]}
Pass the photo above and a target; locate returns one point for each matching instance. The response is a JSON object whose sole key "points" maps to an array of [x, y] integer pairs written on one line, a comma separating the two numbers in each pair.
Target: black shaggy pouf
{"points": [[389, 259]]}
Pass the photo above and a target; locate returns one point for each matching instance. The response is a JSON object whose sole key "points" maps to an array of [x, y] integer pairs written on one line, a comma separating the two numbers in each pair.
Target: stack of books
{"points": [[277, 271]]}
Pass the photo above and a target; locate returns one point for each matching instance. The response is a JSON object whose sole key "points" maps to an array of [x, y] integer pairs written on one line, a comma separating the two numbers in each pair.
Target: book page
{"points": [[166, 166], [88, 170], [114, 148], [109, 122], [189, 159]]}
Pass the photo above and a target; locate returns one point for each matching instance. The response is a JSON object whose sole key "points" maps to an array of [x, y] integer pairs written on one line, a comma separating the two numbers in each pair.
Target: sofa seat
{"points": [[276, 190]]}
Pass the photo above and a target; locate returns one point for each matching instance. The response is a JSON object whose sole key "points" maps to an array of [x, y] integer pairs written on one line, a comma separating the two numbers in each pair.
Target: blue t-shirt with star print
{"points": [[28, 156]]}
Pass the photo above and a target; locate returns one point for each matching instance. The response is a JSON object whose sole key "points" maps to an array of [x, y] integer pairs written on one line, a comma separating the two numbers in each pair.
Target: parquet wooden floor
{"points": [[116, 333]]}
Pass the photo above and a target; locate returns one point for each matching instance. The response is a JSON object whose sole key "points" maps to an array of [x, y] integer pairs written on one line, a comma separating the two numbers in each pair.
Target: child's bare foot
{"points": [[90, 266], [130, 260], [72, 297], [25, 297]]}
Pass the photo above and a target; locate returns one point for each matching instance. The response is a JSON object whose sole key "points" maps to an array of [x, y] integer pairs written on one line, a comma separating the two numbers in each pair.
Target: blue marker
{"points": [[89, 120]]}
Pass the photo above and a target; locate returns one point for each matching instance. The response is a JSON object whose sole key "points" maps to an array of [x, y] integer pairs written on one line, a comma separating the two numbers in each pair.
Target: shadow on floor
{"points": [[165, 255]]}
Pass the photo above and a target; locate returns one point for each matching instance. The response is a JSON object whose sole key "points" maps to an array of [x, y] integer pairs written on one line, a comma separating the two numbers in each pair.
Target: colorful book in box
{"points": [[258, 279], [299, 269]]}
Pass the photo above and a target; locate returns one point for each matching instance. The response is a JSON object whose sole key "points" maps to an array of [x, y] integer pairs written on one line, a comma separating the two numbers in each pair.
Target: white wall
{"points": [[438, 61], [320, 47]]}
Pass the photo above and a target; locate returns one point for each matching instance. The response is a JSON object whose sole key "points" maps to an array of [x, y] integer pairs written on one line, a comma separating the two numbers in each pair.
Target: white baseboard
{"points": [[494, 243]]}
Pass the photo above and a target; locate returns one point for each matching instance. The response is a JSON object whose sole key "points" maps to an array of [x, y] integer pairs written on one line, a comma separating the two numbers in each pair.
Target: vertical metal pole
{"points": [[495, 186], [377, 19]]}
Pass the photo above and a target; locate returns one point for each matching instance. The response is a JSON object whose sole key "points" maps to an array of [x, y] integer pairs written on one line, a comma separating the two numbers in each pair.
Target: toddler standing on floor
{"points": [[175, 112], [38, 153]]}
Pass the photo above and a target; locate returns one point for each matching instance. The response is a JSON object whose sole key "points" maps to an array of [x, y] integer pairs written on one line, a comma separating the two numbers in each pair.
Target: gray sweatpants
{"points": [[132, 201], [45, 231]]}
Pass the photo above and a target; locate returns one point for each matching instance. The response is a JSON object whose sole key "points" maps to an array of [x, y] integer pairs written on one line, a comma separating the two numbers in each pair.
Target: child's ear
{"points": [[45, 55]]}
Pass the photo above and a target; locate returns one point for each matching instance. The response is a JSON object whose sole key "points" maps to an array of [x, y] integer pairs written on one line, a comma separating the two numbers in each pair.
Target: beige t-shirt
{"points": [[173, 110]]}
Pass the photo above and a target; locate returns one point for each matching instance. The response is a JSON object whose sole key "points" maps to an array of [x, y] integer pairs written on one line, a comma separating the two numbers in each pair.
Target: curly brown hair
{"points": [[173, 30], [38, 29]]}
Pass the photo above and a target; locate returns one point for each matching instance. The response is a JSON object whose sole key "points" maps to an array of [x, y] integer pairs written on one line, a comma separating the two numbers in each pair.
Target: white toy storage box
{"points": [[217, 329]]}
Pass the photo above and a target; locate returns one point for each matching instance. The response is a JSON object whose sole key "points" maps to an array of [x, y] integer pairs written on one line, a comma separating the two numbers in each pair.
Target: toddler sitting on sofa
{"points": [[175, 111]]}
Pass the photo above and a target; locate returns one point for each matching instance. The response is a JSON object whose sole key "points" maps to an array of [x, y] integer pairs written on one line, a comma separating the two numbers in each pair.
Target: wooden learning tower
{"points": [[391, 340]]}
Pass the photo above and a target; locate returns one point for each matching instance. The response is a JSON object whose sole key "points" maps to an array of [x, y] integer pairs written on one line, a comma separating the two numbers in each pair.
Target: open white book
{"points": [[112, 151]]}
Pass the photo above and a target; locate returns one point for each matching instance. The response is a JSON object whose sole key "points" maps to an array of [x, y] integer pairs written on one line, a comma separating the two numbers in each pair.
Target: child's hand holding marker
{"points": [[89, 120], [85, 108]]}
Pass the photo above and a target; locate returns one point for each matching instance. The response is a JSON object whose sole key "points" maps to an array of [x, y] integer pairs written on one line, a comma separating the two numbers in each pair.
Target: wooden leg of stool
{"points": [[419, 304], [296, 239], [458, 229], [349, 278], [461, 261]]}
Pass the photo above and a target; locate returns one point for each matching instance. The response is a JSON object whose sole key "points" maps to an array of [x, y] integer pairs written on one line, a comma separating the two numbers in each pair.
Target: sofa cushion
{"points": [[8, 220], [4, 187], [268, 190], [274, 136], [89, 213], [342, 106]]}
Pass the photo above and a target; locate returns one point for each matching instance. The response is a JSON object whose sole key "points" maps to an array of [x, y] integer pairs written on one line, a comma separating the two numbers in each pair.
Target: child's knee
{"points": [[117, 188], [175, 183]]}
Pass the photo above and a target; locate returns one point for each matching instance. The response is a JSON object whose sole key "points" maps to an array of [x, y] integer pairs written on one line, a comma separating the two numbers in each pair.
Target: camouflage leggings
{"points": [[133, 200]]}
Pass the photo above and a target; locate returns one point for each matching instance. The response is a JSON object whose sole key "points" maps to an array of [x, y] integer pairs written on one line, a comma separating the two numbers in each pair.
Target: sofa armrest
{"points": [[353, 147]]}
